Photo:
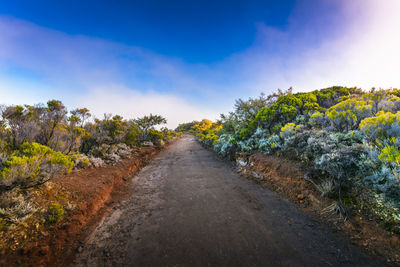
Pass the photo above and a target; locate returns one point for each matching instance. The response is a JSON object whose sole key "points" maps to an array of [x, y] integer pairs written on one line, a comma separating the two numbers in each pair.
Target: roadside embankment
{"points": [[86, 195], [287, 178]]}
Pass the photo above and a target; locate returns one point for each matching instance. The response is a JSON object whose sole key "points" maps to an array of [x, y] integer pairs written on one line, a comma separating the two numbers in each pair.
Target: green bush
{"points": [[80, 160], [347, 139], [33, 163], [55, 213]]}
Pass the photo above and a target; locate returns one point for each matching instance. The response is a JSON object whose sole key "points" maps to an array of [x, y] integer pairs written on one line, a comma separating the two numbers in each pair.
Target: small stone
{"points": [[241, 163], [257, 175], [147, 144], [300, 196]]}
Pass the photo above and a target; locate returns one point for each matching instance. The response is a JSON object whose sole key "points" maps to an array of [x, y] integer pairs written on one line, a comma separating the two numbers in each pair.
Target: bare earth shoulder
{"points": [[188, 208]]}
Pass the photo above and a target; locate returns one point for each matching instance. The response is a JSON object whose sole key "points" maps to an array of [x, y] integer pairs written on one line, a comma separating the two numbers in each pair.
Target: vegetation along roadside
{"points": [[342, 145], [60, 170]]}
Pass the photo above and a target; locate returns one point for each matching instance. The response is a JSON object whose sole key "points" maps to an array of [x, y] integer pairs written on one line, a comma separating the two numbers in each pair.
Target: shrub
{"points": [[206, 130], [382, 126], [156, 137], [347, 114], [96, 162], [55, 213], [317, 118], [226, 146], [391, 153], [132, 136], [80, 160], [147, 123], [347, 139], [288, 129], [33, 163], [15, 208]]}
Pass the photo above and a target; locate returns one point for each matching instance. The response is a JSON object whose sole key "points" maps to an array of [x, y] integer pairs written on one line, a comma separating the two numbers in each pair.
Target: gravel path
{"points": [[188, 208]]}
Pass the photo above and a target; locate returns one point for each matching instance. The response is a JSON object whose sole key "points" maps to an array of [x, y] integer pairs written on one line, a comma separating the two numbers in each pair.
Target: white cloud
{"points": [[356, 46], [131, 104]]}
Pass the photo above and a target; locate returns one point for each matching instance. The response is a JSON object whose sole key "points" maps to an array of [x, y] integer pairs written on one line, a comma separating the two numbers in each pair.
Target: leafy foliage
{"points": [[206, 130], [146, 123], [40, 141], [55, 213], [348, 140], [33, 163]]}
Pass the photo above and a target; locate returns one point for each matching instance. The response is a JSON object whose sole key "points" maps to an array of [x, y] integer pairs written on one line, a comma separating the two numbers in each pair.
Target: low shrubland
{"points": [[41, 141], [348, 141]]}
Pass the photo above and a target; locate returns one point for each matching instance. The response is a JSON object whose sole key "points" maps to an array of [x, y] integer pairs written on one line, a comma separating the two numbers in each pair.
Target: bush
{"points": [[206, 130], [80, 160], [226, 146], [55, 213], [382, 126], [346, 115], [33, 163], [156, 137], [288, 129], [15, 208], [347, 139]]}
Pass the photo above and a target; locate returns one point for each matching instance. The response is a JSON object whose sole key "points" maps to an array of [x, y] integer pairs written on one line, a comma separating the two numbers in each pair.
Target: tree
{"points": [[185, 127], [21, 127], [74, 133], [132, 135], [111, 129], [148, 122], [82, 113], [245, 111], [53, 115]]}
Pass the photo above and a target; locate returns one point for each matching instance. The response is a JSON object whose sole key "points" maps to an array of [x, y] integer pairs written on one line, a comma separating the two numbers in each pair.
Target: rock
{"points": [[241, 163], [300, 196], [147, 144], [257, 175]]}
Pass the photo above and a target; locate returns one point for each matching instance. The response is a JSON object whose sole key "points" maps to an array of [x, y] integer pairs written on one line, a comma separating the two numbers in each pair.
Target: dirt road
{"points": [[188, 208]]}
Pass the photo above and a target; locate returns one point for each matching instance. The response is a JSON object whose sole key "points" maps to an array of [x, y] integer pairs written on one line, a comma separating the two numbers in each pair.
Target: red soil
{"points": [[92, 192]]}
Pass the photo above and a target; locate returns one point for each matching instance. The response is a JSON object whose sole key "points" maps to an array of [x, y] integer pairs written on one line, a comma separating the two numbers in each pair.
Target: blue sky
{"points": [[190, 59], [196, 31]]}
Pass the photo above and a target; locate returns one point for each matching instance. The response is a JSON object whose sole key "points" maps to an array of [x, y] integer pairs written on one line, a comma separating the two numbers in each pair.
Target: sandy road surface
{"points": [[188, 208]]}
